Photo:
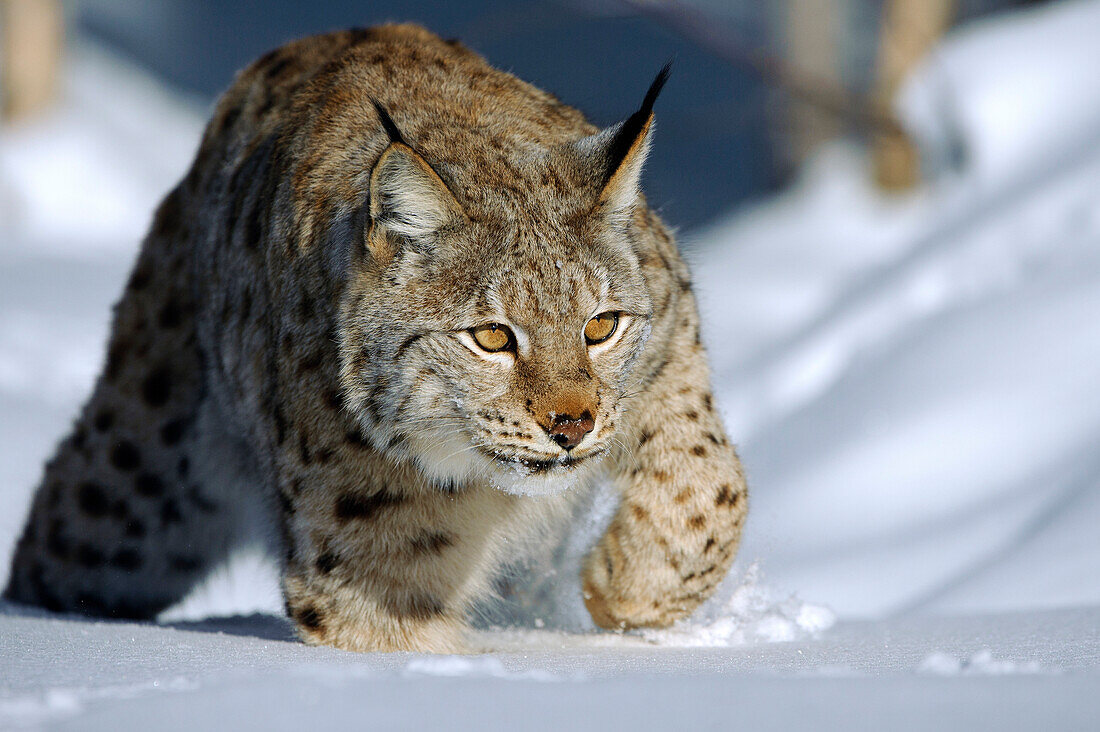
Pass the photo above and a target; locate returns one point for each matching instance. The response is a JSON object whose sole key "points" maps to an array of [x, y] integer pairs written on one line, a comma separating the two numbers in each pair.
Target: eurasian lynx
{"points": [[415, 304]]}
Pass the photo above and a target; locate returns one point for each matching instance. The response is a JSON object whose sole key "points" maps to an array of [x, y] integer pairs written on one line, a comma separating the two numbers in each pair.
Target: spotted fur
{"points": [[295, 334]]}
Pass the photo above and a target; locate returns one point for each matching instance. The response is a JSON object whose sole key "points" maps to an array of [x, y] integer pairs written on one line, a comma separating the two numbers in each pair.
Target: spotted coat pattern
{"points": [[276, 346]]}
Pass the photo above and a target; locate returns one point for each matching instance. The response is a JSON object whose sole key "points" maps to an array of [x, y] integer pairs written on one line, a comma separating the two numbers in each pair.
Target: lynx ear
{"points": [[616, 155], [408, 200]]}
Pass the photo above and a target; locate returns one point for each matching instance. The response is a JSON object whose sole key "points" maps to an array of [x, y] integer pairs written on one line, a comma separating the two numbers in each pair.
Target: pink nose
{"points": [[569, 431]]}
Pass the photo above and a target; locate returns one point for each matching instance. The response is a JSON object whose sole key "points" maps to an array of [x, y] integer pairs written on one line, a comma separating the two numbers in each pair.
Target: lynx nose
{"points": [[568, 431]]}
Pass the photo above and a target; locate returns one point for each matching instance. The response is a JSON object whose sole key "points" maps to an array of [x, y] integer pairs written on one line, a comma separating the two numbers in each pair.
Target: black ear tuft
{"points": [[655, 89], [388, 124], [634, 124]]}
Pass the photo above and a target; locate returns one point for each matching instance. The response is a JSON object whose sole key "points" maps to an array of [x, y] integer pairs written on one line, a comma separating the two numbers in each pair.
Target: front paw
{"points": [[622, 594]]}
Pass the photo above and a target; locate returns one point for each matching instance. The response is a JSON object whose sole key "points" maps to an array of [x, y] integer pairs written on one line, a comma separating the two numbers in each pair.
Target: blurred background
{"points": [[892, 208]]}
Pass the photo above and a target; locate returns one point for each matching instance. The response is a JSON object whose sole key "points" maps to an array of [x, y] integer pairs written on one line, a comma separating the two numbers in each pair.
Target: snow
{"points": [[911, 382], [106, 156], [986, 672], [1003, 95], [752, 614], [922, 415], [981, 662]]}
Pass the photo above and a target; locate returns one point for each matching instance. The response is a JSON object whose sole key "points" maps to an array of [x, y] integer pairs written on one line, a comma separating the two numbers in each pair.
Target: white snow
{"points": [[85, 179], [912, 382], [752, 614], [981, 662], [919, 420], [1003, 96]]}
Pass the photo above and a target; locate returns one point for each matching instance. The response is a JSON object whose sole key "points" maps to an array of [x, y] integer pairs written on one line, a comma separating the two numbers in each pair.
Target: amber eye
{"points": [[600, 328], [493, 337]]}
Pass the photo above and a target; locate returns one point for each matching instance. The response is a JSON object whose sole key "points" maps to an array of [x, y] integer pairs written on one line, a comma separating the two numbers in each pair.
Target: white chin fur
{"points": [[452, 458], [447, 457], [549, 483]]}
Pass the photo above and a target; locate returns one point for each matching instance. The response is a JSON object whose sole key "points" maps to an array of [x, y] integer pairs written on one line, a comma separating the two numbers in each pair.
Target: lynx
{"points": [[415, 306]]}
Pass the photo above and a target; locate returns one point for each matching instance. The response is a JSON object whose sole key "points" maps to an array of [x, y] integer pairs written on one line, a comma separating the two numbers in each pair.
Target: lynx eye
{"points": [[493, 337], [600, 328]]}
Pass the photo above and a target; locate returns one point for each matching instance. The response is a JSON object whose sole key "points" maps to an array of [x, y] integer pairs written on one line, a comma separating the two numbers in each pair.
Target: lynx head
{"points": [[497, 321]]}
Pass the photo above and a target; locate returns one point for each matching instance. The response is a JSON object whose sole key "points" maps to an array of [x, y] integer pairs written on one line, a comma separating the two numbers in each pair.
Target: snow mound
{"points": [[1002, 97], [752, 614]]}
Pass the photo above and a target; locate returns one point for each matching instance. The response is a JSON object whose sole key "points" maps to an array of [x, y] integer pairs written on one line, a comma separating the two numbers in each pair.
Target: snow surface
{"points": [[911, 382], [1024, 671]]}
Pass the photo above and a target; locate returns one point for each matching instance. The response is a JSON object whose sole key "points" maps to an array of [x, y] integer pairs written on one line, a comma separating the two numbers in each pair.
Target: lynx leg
{"points": [[389, 565], [684, 499], [120, 525]]}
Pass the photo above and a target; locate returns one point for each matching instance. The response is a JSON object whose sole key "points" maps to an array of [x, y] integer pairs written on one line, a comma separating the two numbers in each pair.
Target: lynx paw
{"points": [[621, 595]]}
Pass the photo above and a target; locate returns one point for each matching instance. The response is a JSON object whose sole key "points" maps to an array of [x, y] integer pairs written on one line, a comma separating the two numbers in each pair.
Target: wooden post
{"points": [[31, 37], [812, 34], [910, 28]]}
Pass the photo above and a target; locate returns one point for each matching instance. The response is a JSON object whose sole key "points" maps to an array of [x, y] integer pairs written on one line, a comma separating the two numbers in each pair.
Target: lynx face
{"points": [[501, 327], [505, 349]]}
